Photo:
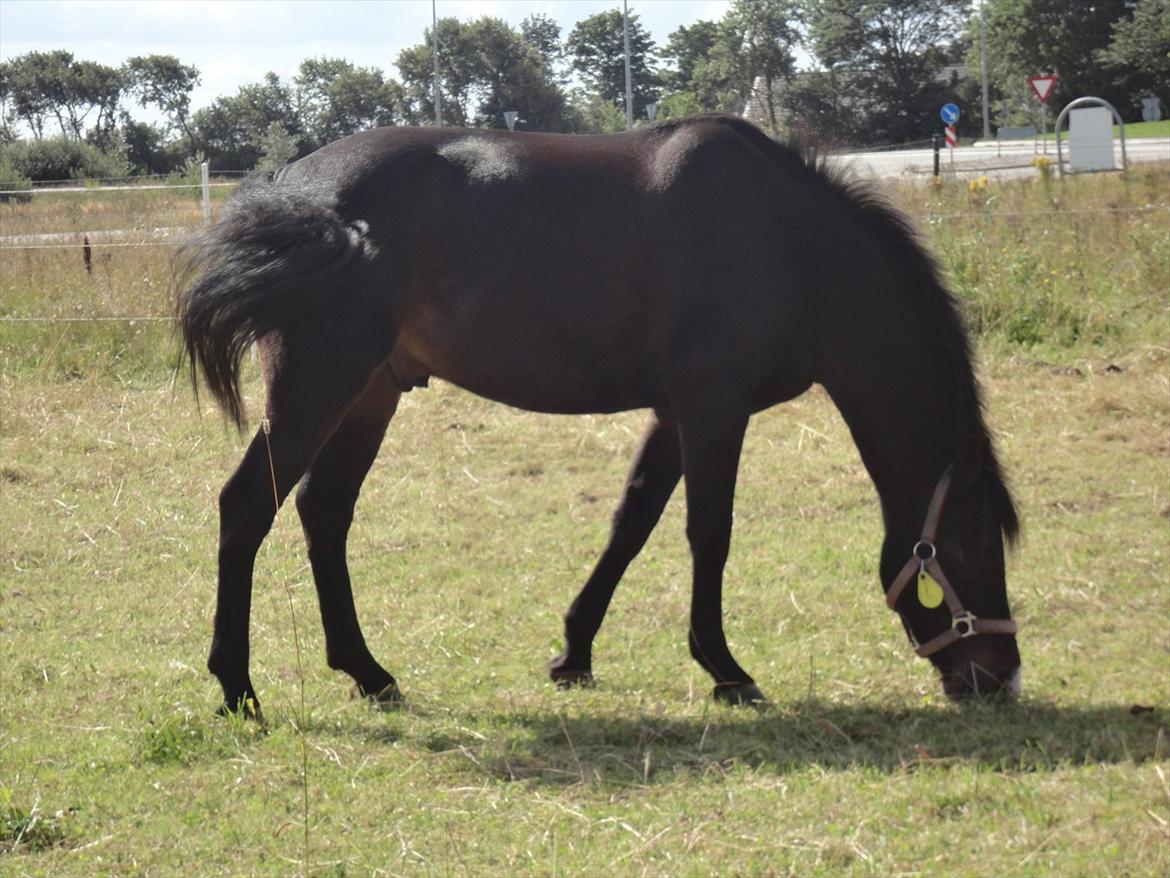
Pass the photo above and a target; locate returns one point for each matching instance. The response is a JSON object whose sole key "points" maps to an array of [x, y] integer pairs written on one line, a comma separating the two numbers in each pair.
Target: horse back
{"points": [[570, 273]]}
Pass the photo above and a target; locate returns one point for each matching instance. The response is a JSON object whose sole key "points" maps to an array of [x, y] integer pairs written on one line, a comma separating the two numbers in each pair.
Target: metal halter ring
{"points": [[920, 546], [964, 624]]}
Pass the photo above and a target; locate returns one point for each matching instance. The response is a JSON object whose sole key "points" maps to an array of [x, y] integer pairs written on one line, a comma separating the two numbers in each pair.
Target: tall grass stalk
{"points": [[300, 722]]}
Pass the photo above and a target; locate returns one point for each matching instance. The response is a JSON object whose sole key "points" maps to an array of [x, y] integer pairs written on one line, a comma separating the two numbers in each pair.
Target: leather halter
{"points": [[924, 558]]}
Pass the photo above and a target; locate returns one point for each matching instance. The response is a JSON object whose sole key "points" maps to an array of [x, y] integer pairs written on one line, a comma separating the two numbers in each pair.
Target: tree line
{"points": [[882, 68]]}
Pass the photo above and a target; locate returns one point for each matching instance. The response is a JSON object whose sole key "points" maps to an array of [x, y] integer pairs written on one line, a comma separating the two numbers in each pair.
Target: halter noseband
{"points": [[924, 559]]}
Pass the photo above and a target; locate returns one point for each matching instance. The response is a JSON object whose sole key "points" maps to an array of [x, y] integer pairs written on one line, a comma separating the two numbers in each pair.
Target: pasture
{"points": [[475, 529]]}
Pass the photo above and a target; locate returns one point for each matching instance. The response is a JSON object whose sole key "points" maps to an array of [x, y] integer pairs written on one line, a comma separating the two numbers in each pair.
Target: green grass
{"points": [[475, 529], [1133, 130], [1145, 129]]}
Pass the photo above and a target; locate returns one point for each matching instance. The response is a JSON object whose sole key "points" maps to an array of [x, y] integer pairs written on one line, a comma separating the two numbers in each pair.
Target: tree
{"points": [[335, 98], [756, 40], [416, 64], [100, 88], [698, 81], [1138, 50], [886, 56], [278, 148], [25, 102], [1142, 40], [52, 84], [686, 50], [7, 114], [821, 106], [596, 115], [232, 131], [486, 68], [164, 82], [512, 74], [146, 147], [39, 88], [1027, 37], [739, 62], [544, 35], [597, 48]]}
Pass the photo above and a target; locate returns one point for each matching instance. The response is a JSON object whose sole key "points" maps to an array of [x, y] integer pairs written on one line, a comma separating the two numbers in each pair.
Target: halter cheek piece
{"points": [[924, 558]]}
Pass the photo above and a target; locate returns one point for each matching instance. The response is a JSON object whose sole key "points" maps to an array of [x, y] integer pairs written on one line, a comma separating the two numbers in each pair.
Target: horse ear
{"points": [[973, 455]]}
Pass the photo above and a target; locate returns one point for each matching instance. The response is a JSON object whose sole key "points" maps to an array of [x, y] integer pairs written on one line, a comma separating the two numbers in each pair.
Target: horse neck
{"points": [[895, 359], [908, 404]]}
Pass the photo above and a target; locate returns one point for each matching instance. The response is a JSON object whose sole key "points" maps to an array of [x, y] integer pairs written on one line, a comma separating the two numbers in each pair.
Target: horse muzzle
{"points": [[972, 680]]}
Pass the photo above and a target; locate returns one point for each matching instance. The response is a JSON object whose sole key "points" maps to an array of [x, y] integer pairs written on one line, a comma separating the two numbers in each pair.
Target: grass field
{"points": [[1145, 129], [1133, 130], [474, 531]]}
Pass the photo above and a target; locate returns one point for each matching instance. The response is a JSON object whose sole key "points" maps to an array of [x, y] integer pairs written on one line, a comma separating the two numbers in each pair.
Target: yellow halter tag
{"points": [[930, 593]]}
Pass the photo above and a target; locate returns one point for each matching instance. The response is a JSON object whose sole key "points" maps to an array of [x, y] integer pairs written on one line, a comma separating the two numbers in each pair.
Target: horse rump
{"points": [[253, 272]]}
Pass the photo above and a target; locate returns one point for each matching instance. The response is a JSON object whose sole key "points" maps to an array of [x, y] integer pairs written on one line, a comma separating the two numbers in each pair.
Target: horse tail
{"points": [[266, 262]]}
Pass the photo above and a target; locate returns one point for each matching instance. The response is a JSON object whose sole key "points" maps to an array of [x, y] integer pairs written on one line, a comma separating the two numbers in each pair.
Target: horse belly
{"points": [[543, 357]]}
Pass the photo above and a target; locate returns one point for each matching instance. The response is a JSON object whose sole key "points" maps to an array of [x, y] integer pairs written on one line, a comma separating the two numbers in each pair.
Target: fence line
{"points": [[1148, 208], [920, 216], [148, 318], [91, 189], [91, 244], [45, 184], [908, 146]]}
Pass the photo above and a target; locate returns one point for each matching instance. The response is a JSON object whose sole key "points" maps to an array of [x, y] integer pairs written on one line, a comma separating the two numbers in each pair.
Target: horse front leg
{"points": [[655, 472], [325, 502], [710, 452]]}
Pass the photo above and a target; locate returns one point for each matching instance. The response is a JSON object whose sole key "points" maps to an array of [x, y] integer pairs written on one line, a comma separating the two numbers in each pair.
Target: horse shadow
{"points": [[563, 749]]}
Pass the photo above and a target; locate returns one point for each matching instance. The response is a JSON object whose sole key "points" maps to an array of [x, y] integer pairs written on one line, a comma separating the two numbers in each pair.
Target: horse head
{"points": [[951, 590]]}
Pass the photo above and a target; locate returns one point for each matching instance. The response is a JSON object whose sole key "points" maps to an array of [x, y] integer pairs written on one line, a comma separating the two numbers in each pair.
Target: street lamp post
{"points": [[629, 81], [435, 56], [983, 68]]}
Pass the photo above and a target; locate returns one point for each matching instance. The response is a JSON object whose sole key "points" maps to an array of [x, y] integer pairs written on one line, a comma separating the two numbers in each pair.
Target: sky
{"points": [[235, 42]]}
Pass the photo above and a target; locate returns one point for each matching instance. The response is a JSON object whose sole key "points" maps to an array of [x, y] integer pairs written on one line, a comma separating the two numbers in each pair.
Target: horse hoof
{"points": [[570, 679], [567, 679], [246, 707], [387, 698], [740, 695], [566, 676]]}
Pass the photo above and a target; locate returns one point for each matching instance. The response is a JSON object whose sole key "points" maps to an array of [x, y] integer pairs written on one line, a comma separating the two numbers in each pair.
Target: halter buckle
{"points": [[963, 623], [924, 550]]}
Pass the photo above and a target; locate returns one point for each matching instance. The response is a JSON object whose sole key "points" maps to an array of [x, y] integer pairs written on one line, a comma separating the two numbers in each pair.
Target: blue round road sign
{"points": [[949, 113]]}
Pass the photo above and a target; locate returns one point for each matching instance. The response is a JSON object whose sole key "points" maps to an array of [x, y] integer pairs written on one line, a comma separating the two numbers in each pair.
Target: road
{"points": [[1013, 159]]}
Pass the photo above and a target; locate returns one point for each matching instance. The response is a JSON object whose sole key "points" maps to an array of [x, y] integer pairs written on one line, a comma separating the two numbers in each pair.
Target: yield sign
{"points": [[1043, 85]]}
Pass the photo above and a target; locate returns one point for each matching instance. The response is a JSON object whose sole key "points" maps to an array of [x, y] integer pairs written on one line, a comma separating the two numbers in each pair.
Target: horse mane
{"points": [[942, 310], [933, 301]]}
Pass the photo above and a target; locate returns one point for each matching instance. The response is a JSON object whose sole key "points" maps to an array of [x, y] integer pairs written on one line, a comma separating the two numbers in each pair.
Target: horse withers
{"points": [[516, 266]]}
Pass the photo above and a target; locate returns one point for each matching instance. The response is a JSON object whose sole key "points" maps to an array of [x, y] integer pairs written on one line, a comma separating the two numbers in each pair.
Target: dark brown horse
{"points": [[696, 269]]}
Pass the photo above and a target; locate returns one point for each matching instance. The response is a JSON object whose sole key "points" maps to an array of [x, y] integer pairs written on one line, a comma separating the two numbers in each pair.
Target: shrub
{"points": [[11, 179], [279, 146], [60, 158]]}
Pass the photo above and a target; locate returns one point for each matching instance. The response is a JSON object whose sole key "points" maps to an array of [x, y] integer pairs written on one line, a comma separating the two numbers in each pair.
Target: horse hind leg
{"points": [[246, 512], [325, 501], [655, 472], [310, 389]]}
